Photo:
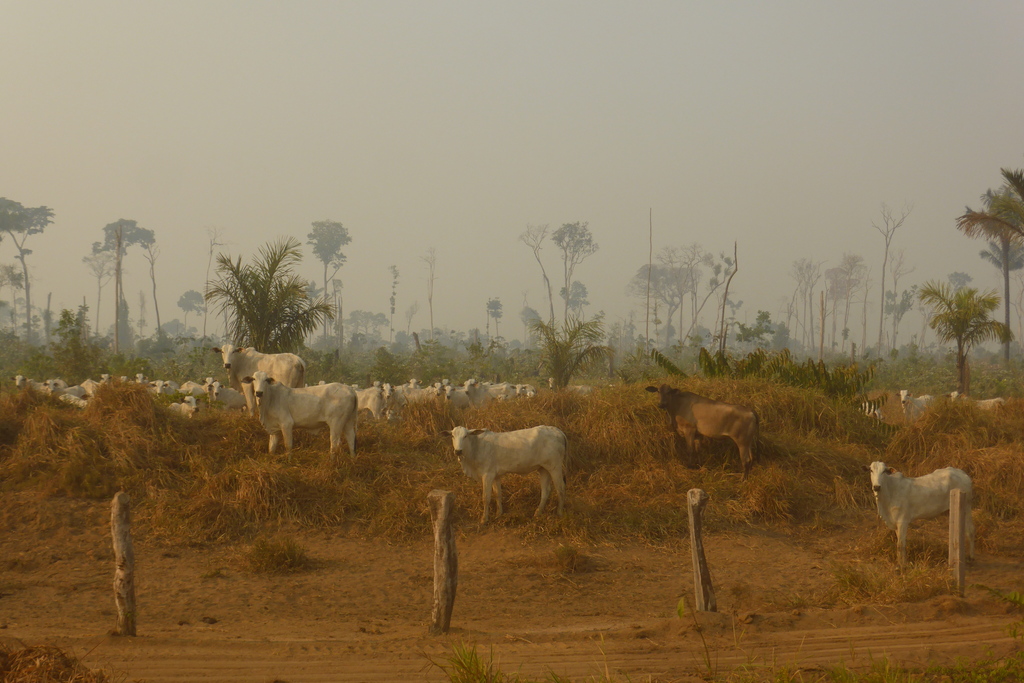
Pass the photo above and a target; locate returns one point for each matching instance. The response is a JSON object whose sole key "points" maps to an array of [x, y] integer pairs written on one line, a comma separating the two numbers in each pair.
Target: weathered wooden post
{"points": [[702, 588], [957, 523], [124, 564], [446, 560]]}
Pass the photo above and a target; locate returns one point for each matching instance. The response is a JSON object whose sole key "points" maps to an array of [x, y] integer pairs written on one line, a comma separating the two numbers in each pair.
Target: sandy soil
{"points": [[362, 614]]}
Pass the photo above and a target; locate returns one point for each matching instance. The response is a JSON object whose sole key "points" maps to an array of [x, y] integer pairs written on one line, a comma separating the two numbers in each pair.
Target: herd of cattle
{"points": [[914, 406], [272, 388]]}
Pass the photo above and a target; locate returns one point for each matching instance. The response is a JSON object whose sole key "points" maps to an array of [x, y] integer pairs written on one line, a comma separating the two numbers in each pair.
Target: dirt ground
{"points": [[362, 614]]}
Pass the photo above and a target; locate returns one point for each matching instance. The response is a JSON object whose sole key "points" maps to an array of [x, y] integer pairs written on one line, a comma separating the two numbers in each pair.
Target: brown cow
{"points": [[691, 415]]}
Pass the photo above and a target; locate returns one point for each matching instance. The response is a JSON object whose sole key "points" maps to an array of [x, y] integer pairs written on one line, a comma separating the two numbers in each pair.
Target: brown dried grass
{"points": [[50, 664], [209, 479]]}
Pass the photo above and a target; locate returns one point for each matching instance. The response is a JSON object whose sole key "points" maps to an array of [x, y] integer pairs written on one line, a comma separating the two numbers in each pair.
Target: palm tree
{"points": [[571, 347], [1006, 255], [963, 317], [269, 304], [1003, 221]]}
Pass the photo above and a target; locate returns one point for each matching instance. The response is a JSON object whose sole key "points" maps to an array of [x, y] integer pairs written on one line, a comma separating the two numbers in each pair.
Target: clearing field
{"points": [[803, 569]]}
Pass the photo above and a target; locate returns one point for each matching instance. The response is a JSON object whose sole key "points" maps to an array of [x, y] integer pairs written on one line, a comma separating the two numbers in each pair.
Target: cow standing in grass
{"points": [[486, 455], [690, 415], [901, 500]]}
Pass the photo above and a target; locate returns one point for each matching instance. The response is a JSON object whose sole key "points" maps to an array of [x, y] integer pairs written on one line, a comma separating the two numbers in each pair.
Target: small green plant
{"points": [[277, 556]]}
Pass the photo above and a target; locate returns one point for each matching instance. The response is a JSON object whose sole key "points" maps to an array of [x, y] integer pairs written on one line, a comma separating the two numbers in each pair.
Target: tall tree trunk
{"points": [[118, 295], [1006, 294], [28, 298], [156, 306]]}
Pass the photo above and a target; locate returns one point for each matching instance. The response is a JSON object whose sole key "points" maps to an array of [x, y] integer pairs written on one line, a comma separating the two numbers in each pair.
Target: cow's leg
{"points": [[901, 540], [488, 482], [746, 457], [273, 443], [335, 437], [286, 431], [499, 509], [350, 435], [689, 433], [545, 491], [559, 479]]}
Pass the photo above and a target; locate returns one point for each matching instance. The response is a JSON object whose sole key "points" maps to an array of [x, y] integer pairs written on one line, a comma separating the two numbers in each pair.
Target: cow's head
{"points": [[459, 436], [665, 392], [904, 396], [226, 352], [260, 381], [879, 471]]}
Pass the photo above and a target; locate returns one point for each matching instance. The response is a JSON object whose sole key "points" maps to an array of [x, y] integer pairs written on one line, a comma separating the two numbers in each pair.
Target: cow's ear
{"points": [[653, 390], [891, 470], [446, 433], [216, 349], [866, 468], [270, 380], [240, 348], [247, 380], [477, 432]]}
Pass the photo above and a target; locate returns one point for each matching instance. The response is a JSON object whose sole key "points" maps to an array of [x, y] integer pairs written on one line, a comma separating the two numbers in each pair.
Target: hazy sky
{"points": [[454, 125]]}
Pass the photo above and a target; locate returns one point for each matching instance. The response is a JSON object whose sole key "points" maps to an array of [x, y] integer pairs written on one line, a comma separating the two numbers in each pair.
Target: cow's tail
{"points": [[302, 374]]}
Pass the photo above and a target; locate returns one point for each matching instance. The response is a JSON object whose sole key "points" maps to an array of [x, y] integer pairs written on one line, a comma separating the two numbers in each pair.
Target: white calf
{"points": [[901, 499], [486, 456]]}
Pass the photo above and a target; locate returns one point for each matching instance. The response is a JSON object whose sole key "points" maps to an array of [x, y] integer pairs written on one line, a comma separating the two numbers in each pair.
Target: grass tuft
{"points": [[277, 556]]}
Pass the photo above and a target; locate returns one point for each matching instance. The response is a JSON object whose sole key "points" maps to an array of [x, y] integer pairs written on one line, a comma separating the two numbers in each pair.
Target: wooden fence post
{"points": [[124, 564], [702, 588], [957, 522], [446, 560]]}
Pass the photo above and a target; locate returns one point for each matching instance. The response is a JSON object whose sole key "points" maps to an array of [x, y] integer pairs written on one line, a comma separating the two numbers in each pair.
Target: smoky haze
{"points": [[781, 126]]}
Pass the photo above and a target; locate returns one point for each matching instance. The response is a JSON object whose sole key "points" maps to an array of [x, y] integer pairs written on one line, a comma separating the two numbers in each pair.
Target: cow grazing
{"points": [[690, 415], [901, 499], [282, 408], [486, 455], [240, 361]]}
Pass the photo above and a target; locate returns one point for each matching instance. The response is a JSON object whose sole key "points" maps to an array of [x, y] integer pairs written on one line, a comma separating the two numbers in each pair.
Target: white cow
{"points": [[164, 387], [458, 397], [487, 455], [901, 499], [76, 401], [191, 388], [23, 382], [187, 408], [983, 404], [914, 407], [282, 408], [226, 396], [241, 361], [371, 399], [90, 386]]}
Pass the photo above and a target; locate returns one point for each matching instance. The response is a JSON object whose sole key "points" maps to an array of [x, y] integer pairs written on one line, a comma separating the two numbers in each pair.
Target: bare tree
{"points": [[900, 304], [534, 238], [887, 227], [576, 244], [101, 265], [214, 234], [807, 273], [735, 265], [151, 254], [410, 313], [431, 260], [20, 222], [327, 238]]}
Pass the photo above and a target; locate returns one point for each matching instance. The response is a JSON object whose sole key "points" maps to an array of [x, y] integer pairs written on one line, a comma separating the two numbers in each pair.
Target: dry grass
{"points": [[277, 556], [209, 479], [49, 664]]}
